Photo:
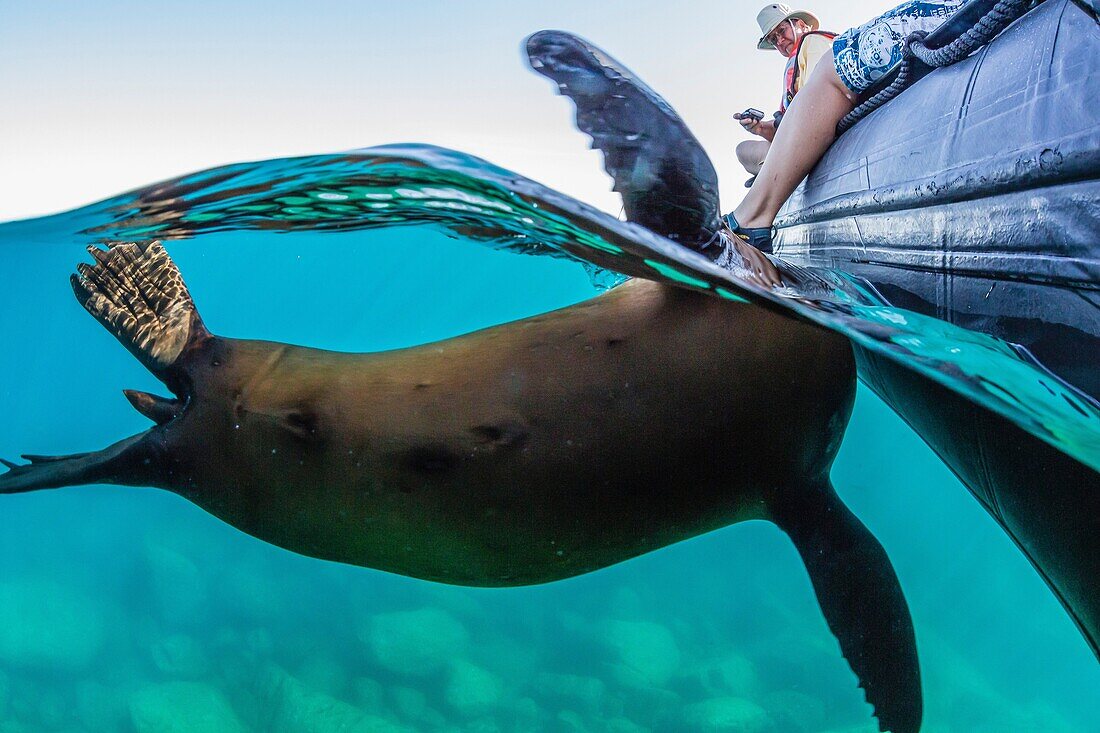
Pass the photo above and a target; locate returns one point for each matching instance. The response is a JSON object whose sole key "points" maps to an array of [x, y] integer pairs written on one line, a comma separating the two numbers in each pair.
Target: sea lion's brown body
{"points": [[524, 453]]}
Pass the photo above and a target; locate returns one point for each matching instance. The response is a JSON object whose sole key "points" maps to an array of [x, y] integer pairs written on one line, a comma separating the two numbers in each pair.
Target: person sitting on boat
{"points": [[858, 58], [794, 34]]}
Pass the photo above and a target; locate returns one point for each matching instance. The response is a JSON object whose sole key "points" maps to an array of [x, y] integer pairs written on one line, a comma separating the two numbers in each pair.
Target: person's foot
{"points": [[758, 237], [748, 183]]}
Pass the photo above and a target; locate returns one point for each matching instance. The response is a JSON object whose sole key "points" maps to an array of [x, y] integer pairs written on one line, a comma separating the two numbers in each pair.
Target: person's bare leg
{"points": [[751, 154], [808, 129]]}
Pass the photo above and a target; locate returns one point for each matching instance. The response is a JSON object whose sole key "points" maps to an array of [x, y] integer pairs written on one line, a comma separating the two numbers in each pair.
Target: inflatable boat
{"points": [[974, 197]]}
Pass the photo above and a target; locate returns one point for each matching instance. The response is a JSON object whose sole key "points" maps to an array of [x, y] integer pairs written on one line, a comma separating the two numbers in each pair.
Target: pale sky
{"points": [[102, 97]]}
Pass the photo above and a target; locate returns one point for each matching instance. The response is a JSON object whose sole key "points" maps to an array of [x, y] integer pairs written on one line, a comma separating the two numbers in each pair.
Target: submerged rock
{"points": [[414, 642], [412, 705], [292, 708], [647, 653], [259, 642], [51, 708], [182, 707], [726, 715], [571, 690], [517, 662], [101, 708], [730, 674], [795, 711], [180, 656], [323, 673], [527, 715], [177, 586], [569, 721], [483, 725], [472, 690], [623, 725], [369, 694], [249, 589], [626, 603], [49, 626]]}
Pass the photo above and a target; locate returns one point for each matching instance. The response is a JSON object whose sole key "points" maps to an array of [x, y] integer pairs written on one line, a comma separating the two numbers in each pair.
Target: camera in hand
{"points": [[751, 113]]}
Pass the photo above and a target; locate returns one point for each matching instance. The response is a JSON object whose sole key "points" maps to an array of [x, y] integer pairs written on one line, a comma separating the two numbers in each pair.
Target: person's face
{"points": [[785, 36]]}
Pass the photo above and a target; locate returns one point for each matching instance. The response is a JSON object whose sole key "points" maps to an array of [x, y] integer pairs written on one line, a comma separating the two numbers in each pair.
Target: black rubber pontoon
{"points": [[974, 196]]}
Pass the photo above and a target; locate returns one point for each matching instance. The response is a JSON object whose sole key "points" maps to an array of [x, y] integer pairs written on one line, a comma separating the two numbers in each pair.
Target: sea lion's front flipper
{"points": [[861, 599], [667, 182], [125, 462], [137, 293]]}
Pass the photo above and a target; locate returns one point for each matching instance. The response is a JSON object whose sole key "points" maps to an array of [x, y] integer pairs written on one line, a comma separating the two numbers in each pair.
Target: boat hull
{"points": [[975, 195]]}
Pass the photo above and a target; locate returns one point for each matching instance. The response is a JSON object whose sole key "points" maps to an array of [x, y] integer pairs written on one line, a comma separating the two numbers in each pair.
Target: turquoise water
{"points": [[131, 610]]}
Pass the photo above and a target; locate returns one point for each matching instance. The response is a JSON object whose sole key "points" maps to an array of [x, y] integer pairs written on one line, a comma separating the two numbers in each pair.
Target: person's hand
{"points": [[753, 126], [763, 128]]}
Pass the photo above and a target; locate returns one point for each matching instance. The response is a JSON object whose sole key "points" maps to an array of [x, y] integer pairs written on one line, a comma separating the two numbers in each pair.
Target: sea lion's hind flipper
{"points": [[137, 293], [666, 179], [129, 461], [862, 601]]}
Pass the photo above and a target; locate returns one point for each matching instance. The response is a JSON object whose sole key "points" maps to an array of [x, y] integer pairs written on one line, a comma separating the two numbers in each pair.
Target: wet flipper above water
{"points": [[666, 179]]}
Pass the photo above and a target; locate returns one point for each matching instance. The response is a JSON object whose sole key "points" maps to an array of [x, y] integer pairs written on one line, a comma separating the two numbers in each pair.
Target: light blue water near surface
{"points": [[132, 610]]}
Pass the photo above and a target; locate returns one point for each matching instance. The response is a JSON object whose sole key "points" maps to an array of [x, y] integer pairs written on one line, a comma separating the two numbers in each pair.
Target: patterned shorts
{"points": [[863, 54]]}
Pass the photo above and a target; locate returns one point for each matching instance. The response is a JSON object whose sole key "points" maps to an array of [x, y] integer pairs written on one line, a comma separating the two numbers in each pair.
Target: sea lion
{"points": [[524, 453]]}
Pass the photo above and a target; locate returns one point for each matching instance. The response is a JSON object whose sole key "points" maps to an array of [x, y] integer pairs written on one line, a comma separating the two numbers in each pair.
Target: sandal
{"points": [[757, 237]]}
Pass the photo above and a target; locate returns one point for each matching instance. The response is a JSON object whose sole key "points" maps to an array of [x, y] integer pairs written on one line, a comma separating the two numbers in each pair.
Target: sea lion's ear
{"points": [[666, 179], [861, 599]]}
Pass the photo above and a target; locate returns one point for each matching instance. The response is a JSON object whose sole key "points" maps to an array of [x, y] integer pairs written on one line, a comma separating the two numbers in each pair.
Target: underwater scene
{"points": [[131, 610]]}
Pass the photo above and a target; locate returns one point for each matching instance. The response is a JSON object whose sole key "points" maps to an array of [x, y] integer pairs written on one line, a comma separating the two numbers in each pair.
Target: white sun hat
{"points": [[772, 15]]}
